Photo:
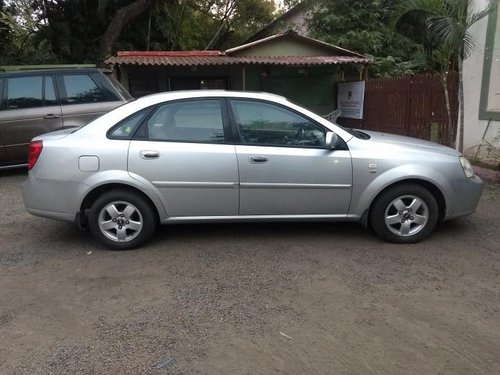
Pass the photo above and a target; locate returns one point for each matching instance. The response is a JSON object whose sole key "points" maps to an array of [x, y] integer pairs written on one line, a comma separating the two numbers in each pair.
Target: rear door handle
{"points": [[51, 115], [255, 159], [149, 154]]}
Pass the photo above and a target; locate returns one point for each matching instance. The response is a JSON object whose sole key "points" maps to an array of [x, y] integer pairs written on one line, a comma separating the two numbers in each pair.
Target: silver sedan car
{"points": [[218, 156]]}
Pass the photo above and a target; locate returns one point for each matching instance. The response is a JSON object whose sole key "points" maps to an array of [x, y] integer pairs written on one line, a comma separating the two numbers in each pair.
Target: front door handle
{"points": [[51, 115], [255, 159], [149, 154]]}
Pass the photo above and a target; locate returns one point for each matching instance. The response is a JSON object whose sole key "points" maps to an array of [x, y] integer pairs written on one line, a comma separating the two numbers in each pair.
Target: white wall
{"points": [[473, 77]]}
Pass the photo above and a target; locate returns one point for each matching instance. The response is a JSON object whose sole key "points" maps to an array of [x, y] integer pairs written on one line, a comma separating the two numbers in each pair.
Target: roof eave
{"points": [[296, 35]]}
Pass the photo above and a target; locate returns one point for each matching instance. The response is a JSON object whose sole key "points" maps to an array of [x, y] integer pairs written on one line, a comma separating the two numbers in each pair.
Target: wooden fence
{"points": [[413, 106]]}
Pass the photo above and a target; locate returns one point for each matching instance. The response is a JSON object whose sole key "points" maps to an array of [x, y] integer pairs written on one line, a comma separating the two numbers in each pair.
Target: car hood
{"points": [[408, 142], [54, 135]]}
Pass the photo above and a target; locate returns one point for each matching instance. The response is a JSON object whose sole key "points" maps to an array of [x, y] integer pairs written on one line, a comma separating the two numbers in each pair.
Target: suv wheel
{"points": [[121, 220], [404, 214]]}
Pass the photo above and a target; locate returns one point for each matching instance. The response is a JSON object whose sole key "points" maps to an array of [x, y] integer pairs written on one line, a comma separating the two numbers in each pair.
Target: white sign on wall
{"points": [[350, 99]]}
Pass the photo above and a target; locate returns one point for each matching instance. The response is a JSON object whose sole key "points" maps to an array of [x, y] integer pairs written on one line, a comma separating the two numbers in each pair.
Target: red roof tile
{"points": [[168, 53], [201, 58]]}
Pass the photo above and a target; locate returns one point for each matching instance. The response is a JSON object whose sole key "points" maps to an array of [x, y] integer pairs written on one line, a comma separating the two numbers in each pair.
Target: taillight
{"points": [[35, 149]]}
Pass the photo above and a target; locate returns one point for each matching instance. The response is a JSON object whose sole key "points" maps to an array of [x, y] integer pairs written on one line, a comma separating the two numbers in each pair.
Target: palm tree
{"points": [[447, 23]]}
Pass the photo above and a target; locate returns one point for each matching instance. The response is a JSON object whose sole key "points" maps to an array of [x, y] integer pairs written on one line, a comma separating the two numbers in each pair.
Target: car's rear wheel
{"points": [[404, 214], [121, 220]]}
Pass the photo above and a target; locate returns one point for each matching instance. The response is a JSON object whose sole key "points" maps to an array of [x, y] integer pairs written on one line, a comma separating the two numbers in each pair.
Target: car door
{"points": [[182, 148], [29, 108], [285, 168]]}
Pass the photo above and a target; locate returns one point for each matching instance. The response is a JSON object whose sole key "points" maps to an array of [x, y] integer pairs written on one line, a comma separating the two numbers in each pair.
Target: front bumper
{"points": [[467, 193]]}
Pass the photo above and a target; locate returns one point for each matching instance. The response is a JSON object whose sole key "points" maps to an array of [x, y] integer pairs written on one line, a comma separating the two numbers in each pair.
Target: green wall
{"points": [[311, 87], [284, 47]]}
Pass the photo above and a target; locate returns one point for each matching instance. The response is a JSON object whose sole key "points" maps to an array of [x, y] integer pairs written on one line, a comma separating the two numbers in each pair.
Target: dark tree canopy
{"points": [[87, 31], [364, 26]]}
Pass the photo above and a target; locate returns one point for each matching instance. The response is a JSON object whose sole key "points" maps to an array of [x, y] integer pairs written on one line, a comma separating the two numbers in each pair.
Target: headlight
{"points": [[467, 167]]}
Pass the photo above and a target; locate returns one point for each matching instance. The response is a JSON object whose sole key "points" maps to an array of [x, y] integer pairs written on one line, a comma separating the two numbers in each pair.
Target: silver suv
{"points": [[41, 101]]}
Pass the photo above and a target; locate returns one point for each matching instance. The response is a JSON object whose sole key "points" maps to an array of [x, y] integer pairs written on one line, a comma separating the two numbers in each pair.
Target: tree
{"points": [[19, 25], [439, 61], [362, 26], [88, 31], [447, 24], [5, 30], [121, 17]]}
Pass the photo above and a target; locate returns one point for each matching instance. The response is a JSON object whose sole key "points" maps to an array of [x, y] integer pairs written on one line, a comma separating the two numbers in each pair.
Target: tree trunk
{"points": [[121, 18], [460, 146], [444, 82]]}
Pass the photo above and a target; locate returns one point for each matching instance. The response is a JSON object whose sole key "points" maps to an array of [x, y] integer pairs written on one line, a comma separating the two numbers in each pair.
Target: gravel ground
{"points": [[249, 299]]}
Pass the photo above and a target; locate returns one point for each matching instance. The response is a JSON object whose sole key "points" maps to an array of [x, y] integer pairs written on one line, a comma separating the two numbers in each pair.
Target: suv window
{"points": [[30, 92], [81, 88], [271, 125], [189, 121]]}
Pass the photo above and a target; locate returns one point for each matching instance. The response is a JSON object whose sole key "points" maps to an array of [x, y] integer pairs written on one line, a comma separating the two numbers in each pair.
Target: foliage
{"points": [[72, 29], [446, 24], [444, 21], [363, 26], [5, 30], [18, 29], [220, 24]]}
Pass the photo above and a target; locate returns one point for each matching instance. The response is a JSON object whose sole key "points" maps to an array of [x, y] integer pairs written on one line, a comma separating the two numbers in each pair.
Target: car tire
{"points": [[405, 213], [121, 220]]}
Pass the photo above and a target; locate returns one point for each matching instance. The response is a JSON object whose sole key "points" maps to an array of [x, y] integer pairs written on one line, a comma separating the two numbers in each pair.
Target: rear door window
{"points": [[30, 92], [81, 89], [24, 92], [188, 121]]}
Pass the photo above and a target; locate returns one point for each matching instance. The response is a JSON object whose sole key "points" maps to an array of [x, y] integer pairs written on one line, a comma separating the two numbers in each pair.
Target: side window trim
{"points": [[59, 83], [46, 78], [235, 128], [229, 134], [44, 83], [2, 95]]}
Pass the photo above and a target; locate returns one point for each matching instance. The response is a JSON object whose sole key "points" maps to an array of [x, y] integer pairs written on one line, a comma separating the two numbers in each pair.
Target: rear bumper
{"points": [[51, 214], [49, 198]]}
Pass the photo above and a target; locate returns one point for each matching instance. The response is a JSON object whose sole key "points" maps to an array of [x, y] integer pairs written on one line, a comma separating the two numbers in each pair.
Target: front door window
{"points": [[271, 125]]}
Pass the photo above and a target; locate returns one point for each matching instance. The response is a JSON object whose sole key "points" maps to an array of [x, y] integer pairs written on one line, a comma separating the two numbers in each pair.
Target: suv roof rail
{"points": [[18, 68]]}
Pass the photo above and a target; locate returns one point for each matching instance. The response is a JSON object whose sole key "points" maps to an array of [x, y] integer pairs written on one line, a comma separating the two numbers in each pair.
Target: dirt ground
{"points": [[249, 299]]}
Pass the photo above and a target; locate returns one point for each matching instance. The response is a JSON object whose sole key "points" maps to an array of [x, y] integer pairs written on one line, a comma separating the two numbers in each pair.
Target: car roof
{"points": [[101, 124], [186, 94], [52, 71]]}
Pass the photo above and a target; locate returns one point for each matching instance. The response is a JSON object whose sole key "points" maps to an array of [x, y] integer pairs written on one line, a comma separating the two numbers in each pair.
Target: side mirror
{"points": [[331, 140]]}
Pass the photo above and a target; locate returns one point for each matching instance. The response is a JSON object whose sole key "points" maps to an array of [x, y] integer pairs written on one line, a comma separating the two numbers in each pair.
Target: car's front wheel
{"points": [[121, 220], [405, 213]]}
